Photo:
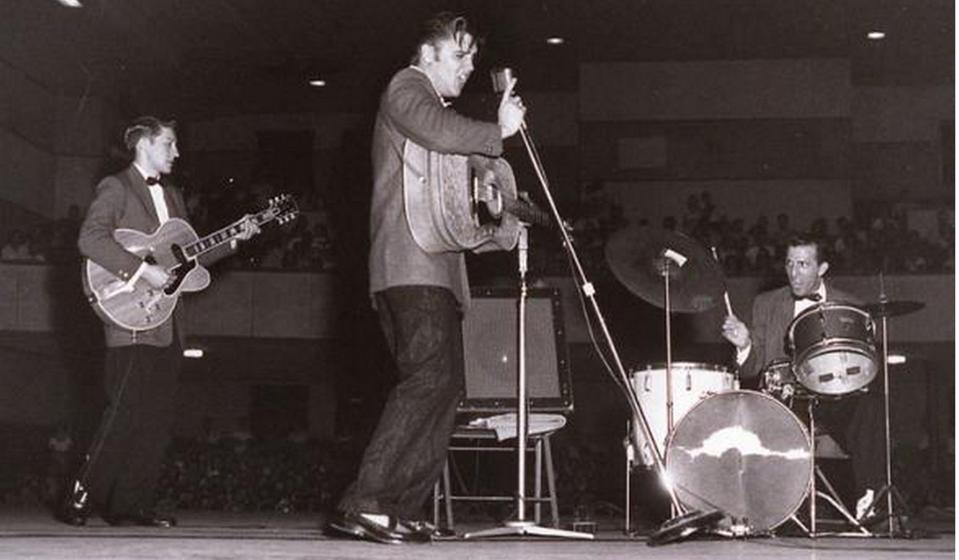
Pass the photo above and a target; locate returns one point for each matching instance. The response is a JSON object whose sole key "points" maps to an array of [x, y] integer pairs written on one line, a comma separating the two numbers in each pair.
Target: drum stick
{"points": [[729, 306]]}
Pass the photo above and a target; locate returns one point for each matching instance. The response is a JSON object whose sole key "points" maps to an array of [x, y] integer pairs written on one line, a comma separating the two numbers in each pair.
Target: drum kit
{"points": [[743, 453]]}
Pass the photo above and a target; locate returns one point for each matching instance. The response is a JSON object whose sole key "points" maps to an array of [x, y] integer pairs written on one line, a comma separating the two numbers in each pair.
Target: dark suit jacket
{"points": [[123, 201], [411, 109], [771, 315]]}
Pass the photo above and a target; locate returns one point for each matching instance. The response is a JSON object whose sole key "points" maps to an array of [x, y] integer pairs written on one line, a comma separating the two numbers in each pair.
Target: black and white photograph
{"points": [[504, 279]]}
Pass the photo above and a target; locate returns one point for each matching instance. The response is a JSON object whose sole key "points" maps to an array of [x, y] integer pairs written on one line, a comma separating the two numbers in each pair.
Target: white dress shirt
{"points": [[163, 214]]}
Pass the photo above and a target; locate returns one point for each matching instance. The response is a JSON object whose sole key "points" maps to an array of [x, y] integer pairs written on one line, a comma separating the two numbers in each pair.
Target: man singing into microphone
{"points": [[419, 296]]}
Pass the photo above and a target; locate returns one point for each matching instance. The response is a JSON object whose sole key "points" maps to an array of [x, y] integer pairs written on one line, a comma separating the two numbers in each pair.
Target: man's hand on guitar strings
{"points": [[155, 275]]}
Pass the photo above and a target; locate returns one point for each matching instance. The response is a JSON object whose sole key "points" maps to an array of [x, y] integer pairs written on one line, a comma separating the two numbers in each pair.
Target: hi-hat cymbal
{"points": [[893, 308], [639, 256]]}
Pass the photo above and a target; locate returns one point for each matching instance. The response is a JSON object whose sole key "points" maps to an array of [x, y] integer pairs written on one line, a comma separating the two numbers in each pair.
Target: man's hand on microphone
{"points": [[511, 111]]}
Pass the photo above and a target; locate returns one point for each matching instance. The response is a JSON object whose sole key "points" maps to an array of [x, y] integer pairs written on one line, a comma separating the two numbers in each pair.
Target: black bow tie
{"points": [[810, 297], [153, 181]]}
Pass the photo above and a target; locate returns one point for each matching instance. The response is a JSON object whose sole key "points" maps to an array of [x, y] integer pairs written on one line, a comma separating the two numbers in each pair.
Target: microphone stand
{"points": [[687, 522], [522, 526]]}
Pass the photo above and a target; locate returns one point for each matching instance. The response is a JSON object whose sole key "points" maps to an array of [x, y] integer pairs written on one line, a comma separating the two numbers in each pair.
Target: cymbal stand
{"points": [[521, 525], [669, 256], [889, 490], [686, 523]]}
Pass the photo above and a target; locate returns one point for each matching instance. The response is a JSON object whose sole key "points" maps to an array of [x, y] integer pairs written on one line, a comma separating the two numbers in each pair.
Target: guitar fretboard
{"points": [[226, 234]]}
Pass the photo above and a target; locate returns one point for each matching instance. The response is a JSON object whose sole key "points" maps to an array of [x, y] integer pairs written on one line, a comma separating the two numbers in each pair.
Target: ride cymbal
{"points": [[640, 256], [893, 308]]}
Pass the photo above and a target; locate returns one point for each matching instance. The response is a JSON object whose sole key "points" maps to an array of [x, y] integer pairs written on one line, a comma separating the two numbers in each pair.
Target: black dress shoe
{"points": [[72, 513], [74, 510], [359, 526], [140, 519]]}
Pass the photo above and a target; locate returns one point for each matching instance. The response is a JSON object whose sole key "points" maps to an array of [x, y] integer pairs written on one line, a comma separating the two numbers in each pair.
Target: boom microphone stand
{"points": [[521, 525], [687, 522]]}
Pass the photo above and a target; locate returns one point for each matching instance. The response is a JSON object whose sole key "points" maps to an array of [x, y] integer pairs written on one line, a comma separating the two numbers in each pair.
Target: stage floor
{"points": [[34, 535]]}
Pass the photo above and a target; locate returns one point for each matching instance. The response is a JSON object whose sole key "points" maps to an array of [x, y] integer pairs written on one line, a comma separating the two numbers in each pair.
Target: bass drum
{"points": [[745, 454]]}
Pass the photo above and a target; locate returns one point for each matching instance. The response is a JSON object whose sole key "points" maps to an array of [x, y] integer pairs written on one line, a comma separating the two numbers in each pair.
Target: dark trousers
{"points": [[124, 461], [405, 457], [857, 423]]}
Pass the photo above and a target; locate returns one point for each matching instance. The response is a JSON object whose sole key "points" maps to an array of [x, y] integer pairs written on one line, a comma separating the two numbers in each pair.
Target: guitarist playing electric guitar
{"points": [[142, 366]]}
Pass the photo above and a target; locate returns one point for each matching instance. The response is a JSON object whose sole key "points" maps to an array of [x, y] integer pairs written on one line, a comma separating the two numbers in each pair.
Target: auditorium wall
{"points": [[759, 121]]}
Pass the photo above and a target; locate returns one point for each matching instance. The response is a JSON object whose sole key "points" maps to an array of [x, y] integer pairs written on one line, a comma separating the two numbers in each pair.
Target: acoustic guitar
{"points": [[136, 305], [455, 202]]}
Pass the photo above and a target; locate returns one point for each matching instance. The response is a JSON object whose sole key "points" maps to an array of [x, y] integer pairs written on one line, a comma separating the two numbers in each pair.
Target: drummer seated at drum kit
{"points": [[855, 419]]}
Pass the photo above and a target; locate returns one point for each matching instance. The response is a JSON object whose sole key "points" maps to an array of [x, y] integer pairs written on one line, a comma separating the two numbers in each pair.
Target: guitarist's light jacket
{"points": [[410, 108], [123, 201]]}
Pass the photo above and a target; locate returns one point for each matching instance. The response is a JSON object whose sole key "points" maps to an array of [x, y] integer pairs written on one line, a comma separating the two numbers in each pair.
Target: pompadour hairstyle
{"points": [[444, 25], [144, 127]]}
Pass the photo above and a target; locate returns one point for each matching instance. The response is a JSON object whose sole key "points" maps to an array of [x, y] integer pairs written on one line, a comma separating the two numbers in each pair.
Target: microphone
{"points": [[501, 77]]}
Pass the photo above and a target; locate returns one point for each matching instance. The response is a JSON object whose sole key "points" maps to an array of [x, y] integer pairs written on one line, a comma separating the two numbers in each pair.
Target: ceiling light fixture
{"points": [[70, 3], [876, 35], [317, 83], [555, 41]]}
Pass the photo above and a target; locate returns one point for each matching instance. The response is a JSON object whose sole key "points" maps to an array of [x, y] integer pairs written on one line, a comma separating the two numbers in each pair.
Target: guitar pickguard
{"points": [[179, 271]]}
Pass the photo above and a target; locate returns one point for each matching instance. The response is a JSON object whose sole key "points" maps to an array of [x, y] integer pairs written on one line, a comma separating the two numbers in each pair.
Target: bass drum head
{"points": [[745, 454]]}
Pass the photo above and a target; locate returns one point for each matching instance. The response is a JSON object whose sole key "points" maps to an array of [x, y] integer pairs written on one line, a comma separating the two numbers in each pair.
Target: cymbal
{"points": [[893, 308], [638, 257]]}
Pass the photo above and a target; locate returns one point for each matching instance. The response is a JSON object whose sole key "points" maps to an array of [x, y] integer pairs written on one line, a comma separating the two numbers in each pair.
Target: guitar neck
{"points": [[225, 235], [525, 211]]}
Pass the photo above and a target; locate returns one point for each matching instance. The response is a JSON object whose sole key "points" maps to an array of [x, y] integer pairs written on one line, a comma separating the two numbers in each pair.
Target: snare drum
{"points": [[745, 454], [692, 382], [833, 348]]}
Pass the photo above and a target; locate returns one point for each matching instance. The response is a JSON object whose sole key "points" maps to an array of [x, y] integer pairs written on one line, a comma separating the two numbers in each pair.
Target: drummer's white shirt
{"points": [[799, 306]]}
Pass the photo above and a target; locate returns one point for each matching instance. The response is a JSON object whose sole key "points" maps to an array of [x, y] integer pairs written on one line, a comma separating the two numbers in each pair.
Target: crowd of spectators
{"points": [[246, 474], [53, 242], [880, 239], [306, 243], [228, 473], [301, 474]]}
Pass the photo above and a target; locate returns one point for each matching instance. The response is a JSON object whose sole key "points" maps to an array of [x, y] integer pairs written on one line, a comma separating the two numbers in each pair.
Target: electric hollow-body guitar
{"points": [[136, 305]]}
